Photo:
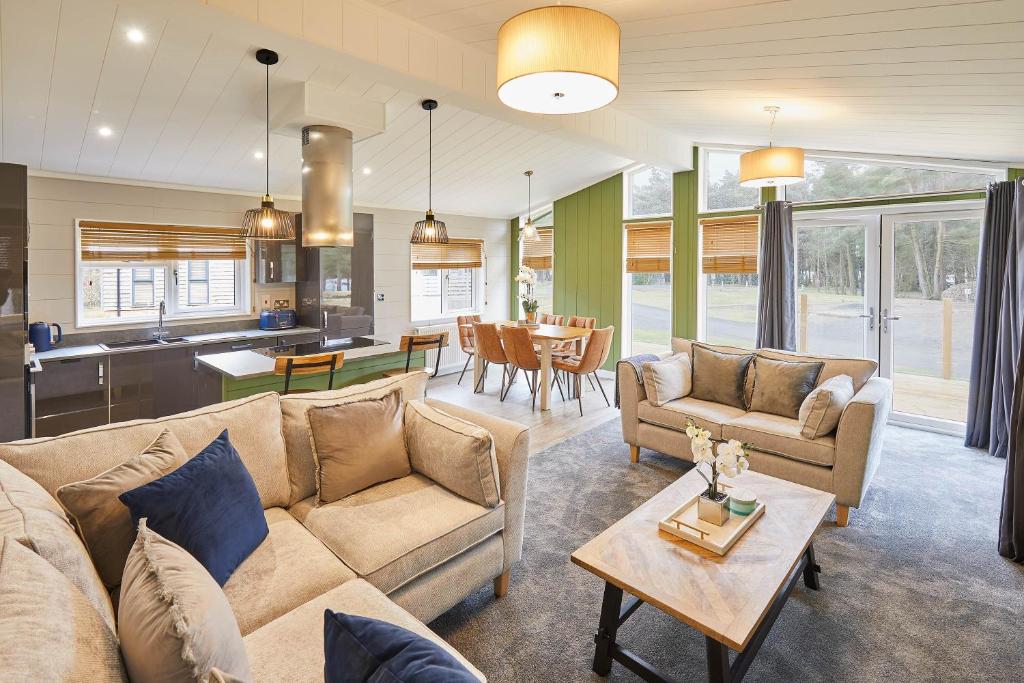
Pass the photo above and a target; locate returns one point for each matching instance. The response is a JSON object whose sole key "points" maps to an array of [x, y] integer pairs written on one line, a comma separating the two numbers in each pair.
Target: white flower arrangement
{"points": [[730, 459], [527, 279]]}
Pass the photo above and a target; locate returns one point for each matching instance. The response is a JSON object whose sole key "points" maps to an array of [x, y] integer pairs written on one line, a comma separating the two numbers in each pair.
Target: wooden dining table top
{"points": [[554, 332]]}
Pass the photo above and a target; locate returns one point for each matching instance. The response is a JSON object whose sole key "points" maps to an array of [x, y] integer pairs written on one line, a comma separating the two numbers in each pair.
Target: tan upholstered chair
{"points": [[467, 340], [550, 319], [521, 356], [411, 343], [569, 348], [599, 345], [289, 366], [488, 345]]}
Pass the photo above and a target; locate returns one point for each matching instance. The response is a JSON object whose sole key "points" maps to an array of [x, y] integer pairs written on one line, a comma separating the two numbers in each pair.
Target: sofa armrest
{"points": [[631, 392], [512, 451], [859, 441]]}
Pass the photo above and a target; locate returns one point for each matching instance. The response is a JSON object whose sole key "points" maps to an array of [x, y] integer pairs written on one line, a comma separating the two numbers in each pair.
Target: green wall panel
{"points": [[684, 251], [514, 309], [1014, 173]]}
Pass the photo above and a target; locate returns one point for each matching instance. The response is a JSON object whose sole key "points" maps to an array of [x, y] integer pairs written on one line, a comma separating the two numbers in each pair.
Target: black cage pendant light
{"points": [[266, 222], [429, 230]]}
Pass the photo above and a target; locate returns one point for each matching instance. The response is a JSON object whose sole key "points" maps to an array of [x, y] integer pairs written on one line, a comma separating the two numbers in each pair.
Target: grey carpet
{"points": [[912, 590]]}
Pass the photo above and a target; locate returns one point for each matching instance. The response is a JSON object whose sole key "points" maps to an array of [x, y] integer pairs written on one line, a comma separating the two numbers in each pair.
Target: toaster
{"points": [[280, 319]]}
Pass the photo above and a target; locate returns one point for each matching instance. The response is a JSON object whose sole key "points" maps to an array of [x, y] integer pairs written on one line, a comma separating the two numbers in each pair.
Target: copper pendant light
{"points": [[529, 232], [267, 223], [429, 230]]}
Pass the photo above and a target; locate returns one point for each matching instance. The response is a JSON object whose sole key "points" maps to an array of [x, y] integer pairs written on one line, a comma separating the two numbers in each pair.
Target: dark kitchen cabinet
{"points": [[237, 345], [148, 384], [71, 394], [275, 262]]}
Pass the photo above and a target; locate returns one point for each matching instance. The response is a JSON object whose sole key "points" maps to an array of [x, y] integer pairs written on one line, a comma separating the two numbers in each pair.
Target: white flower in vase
{"points": [[732, 458]]}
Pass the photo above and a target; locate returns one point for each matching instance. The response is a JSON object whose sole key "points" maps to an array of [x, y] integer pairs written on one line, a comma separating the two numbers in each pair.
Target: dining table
{"points": [[546, 337]]}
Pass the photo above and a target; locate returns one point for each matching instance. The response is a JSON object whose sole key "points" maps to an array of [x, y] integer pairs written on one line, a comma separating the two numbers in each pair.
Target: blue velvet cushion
{"points": [[362, 650], [209, 506]]}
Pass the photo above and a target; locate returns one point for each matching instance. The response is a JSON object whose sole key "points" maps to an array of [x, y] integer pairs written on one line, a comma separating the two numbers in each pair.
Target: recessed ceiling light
{"points": [[105, 131], [257, 154], [367, 170], [135, 35]]}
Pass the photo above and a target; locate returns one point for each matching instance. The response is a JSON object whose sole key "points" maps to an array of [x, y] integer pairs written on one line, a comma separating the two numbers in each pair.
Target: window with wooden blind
{"points": [[729, 253], [729, 245], [127, 270], [447, 279], [540, 254], [648, 247], [455, 254]]}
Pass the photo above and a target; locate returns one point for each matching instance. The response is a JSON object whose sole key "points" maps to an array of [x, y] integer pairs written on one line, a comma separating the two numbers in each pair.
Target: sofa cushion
{"points": [[780, 386], [780, 436], [301, 466], [254, 422], [668, 379], [860, 369], [675, 414], [288, 569], [455, 453], [290, 648], [49, 631], [35, 519], [103, 521], [720, 377], [821, 410], [393, 532]]}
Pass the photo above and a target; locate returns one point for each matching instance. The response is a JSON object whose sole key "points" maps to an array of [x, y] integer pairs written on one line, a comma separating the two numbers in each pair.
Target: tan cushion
{"points": [[780, 436], [292, 648], [357, 445], [301, 467], [457, 454], [254, 424], [289, 568], [35, 519], [49, 631], [675, 414], [860, 369], [720, 377], [669, 379], [821, 410], [103, 521], [391, 533], [780, 386], [173, 619]]}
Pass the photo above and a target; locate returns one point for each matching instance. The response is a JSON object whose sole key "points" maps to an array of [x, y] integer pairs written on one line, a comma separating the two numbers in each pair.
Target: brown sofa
{"points": [[404, 551]]}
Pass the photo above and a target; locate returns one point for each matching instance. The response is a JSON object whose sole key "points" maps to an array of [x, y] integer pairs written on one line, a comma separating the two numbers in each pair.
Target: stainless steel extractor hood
{"points": [[327, 187]]}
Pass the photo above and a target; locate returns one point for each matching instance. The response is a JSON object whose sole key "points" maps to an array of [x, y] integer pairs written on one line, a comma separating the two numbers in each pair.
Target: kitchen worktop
{"points": [[260, 363]]}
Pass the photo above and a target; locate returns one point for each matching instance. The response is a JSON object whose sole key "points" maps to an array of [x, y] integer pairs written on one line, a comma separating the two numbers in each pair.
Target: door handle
{"points": [[870, 316], [885, 318]]}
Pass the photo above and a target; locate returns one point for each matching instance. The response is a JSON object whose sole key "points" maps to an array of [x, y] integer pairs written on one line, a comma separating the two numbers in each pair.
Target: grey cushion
{"points": [[781, 386], [719, 377], [821, 410]]}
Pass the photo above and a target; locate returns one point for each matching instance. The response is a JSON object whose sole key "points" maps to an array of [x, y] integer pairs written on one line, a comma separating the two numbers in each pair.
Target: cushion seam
{"points": [[444, 561]]}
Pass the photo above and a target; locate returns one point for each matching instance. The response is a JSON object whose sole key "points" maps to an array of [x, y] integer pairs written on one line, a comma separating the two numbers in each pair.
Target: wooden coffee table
{"points": [[732, 599]]}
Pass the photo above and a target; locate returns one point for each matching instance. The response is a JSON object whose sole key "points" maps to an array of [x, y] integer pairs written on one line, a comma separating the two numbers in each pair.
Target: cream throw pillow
{"points": [[103, 521], [457, 454], [174, 621], [821, 410], [668, 379]]}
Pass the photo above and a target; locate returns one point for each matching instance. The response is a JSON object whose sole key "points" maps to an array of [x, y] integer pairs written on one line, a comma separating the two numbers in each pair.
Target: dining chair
{"points": [[599, 345], [467, 340], [288, 366], [569, 348], [551, 319], [411, 343], [521, 356], [488, 345]]}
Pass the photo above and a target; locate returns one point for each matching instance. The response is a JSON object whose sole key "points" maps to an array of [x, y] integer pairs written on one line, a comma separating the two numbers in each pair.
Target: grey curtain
{"points": [[1011, 518], [995, 239], [1010, 321], [776, 308]]}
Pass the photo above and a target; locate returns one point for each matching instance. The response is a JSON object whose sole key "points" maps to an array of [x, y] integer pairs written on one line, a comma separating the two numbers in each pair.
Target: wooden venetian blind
{"points": [[540, 255], [455, 254], [649, 248], [729, 244], [107, 241]]}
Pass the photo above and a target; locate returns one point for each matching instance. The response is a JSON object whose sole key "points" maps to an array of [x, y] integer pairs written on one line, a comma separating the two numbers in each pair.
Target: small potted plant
{"points": [[527, 279], [728, 458]]}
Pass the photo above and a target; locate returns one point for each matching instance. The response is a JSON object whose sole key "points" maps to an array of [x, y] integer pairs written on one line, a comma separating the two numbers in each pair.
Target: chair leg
{"points": [[464, 367], [533, 390], [558, 383], [591, 382], [503, 391], [579, 393], [602, 389]]}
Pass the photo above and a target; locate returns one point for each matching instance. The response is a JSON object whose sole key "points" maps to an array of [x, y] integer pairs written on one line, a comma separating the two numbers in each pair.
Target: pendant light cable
{"points": [[268, 127]]}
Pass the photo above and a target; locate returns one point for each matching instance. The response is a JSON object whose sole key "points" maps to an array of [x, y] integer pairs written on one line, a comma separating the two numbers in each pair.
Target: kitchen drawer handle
{"points": [[241, 347]]}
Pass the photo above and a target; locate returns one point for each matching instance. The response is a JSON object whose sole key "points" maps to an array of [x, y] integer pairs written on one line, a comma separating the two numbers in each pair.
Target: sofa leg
{"points": [[842, 515], [501, 584], [634, 453]]}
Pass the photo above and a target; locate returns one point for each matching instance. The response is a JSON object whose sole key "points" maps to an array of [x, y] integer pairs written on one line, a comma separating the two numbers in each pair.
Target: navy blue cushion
{"points": [[362, 650], [209, 506]]}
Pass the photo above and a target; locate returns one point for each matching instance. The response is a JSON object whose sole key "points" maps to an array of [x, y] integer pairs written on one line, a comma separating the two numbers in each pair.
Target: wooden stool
{"points": [[420, 342], [308, 365]]}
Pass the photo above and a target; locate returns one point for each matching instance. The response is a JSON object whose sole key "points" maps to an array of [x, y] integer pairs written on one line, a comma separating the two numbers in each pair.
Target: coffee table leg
{"points": [[607, 628], [811, 569]]}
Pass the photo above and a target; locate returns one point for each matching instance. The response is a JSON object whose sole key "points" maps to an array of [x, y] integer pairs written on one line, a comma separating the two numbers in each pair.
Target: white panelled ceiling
{"points": [[941, 78]]}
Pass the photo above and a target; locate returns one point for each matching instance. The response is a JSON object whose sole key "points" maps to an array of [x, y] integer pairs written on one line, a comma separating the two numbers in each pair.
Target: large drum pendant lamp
{"points": [[772, 166], [558, 60]]}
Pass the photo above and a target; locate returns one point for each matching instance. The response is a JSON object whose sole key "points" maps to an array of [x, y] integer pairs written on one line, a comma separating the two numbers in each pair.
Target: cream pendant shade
{"points": [[558, 60], [772, 167]]}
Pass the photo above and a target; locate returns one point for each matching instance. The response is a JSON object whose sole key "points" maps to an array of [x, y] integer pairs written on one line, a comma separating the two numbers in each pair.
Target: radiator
{"points": [[452, 357]]}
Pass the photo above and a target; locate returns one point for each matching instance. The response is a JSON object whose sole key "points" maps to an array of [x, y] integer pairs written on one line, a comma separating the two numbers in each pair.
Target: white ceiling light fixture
{"points": [[135, 35], [529, 231], [558, 60], [367, 170], [105, 131], [257, 155], [772, 166]]}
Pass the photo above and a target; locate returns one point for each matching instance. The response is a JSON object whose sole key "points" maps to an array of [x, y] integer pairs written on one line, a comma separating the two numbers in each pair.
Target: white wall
{"points": [[54, 205]]}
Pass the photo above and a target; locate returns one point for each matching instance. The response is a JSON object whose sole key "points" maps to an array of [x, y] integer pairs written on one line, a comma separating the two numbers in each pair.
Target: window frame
{"points": [[702, 182], [702, 281], [447, 314], [189, 280], [627, 283], [627, 204]]}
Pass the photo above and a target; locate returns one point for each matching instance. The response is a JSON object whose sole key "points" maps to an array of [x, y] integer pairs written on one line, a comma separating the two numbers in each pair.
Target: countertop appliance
{"points": [[280, 319], [40, 337], [15, 384]]}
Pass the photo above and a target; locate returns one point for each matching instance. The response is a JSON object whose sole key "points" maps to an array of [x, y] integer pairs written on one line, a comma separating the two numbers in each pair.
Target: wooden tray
{"points": [[683, 522]]}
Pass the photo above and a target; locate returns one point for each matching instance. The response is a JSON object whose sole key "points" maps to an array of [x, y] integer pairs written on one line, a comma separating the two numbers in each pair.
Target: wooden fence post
{"points": [[947, 338]]}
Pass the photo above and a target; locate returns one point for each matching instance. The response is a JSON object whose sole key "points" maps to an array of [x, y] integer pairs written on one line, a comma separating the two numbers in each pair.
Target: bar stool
{"points": [[467, 340], [411, 343], [287, 366]]}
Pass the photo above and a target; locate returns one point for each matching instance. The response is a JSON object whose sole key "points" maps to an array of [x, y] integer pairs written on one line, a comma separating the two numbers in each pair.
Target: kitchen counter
{"points": [[240, 365]]}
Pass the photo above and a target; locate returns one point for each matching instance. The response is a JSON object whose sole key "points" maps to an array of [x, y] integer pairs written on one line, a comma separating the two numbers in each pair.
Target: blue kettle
{"points": [[40, 337]]}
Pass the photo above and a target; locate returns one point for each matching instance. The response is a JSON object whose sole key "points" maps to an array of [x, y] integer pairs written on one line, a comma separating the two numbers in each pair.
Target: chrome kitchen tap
{"points": [[161, 331]]}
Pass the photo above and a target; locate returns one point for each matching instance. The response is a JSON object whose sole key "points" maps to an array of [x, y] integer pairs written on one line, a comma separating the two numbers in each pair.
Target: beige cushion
{"points": [[288, 568], [780, 386], [780, 436], [676, 414], [357, 445], [254, 424], [457, 454], [301, 467], [391, 533], [720, 377], [821, 410], [49, 631], [860, 369], [103, 520], [669, 379], [292, 648], [173, 619], [35, 519]]}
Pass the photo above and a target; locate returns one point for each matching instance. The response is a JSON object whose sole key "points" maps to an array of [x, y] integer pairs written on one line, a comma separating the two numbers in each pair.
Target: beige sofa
{"points": [[404, 551], [842, 462]]}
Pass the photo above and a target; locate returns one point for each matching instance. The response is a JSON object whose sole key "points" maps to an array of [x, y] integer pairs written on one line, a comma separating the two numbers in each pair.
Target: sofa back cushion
{"points": [[780, 386], [668, 379], [301, 465], [720, 377], [254, 422], [821, 410]]}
